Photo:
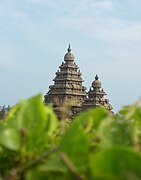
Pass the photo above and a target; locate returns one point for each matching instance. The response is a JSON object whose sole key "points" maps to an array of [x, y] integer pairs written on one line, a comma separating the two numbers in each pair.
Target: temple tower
{"points": [[67, 87], [96, 97]]}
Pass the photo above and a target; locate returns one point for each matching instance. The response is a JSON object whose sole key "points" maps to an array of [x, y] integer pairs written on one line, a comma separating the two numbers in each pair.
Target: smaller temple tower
{"points": [[67, 87], [96, 97]]}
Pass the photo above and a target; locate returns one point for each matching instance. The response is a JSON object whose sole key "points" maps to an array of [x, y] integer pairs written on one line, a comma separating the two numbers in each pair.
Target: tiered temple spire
{"points": [[96, 97], [67, 86]]}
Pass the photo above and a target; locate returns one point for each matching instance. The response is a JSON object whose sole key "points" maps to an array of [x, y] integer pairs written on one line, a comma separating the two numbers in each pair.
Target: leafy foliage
{"points": [[96, 145]]}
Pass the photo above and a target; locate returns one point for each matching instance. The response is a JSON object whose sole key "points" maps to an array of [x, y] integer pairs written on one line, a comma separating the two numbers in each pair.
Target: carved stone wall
{"points": [[68, 88]]}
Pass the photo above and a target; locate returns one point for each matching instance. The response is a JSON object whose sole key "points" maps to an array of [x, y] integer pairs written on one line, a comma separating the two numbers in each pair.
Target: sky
{"points": [[105, 37]]}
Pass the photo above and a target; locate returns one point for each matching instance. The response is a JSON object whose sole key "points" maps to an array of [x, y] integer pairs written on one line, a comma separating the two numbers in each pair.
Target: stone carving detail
{"points": [[68, 86], [96, 97]]}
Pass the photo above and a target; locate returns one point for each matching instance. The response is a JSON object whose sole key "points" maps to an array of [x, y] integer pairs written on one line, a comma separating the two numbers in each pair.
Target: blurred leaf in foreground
{"points": [[116, 163]]}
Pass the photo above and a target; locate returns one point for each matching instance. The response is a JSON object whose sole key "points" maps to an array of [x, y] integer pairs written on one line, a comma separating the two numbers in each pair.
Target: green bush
{"points": [[34, 145]]}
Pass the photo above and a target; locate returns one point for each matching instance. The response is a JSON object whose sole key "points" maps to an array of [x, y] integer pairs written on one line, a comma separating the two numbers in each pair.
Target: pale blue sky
{"points": [[105, 37]]}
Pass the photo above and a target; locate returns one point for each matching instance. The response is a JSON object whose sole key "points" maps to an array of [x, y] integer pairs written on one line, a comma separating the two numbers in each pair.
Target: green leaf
{"points": [[91, 118], [132, 114], [76, 146], [114, 131], [52, 121], [35, 122], [10, 138], [49, 169], [116, 163], [44, 175], [89, 122]]}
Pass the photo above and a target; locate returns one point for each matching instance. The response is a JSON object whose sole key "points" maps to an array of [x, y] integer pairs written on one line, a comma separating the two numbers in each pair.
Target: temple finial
{"points": [[96, 77], [69, 48]]}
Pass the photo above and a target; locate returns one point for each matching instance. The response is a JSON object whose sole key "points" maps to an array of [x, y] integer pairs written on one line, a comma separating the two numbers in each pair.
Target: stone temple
{"points": [[68, 87], [96, 98]]}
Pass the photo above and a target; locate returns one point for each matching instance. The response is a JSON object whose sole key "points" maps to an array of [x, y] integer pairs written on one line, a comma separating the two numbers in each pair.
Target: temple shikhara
{"points": [[95, 97], [68, 87]]}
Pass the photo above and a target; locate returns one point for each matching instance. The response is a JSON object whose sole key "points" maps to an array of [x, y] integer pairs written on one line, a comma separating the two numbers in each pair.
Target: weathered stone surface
{"points": [[96, 98], [68, 89]]}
